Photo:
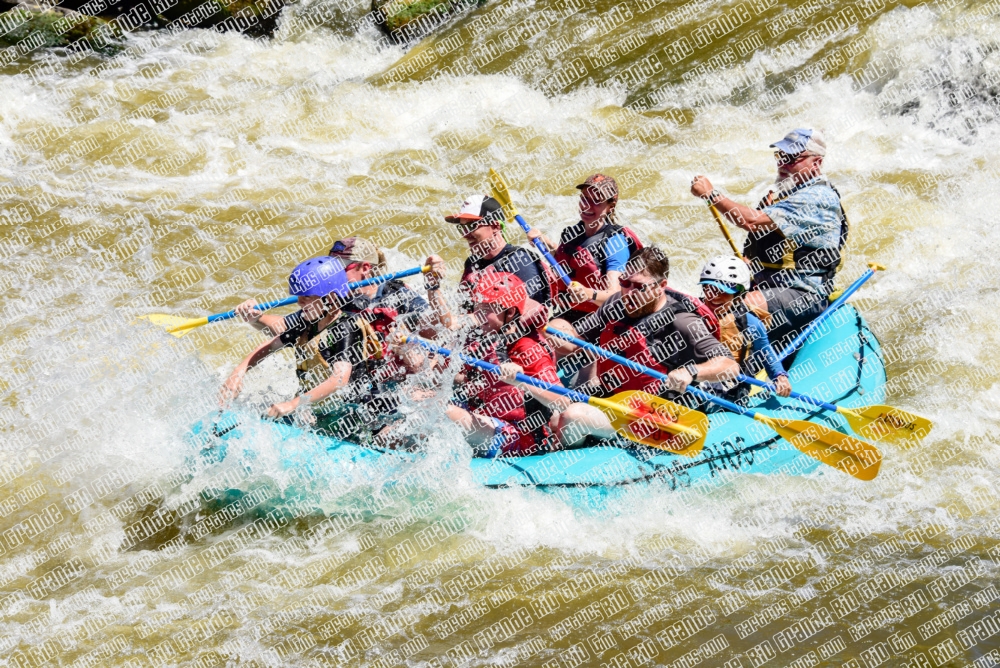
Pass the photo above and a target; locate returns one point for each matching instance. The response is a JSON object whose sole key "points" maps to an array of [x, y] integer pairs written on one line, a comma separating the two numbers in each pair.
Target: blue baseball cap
{"points": [[725, 287], [802, 139]]}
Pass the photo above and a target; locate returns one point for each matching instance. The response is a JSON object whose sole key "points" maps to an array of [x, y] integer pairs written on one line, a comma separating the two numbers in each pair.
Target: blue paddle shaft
{"points": [[287, 301], [528, 380], [793, 395], [540, 245], [811, 327], [260, 307], [607, 354]]}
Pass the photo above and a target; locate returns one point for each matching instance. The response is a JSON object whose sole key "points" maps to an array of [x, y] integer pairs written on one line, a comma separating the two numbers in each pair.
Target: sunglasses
{"points": [[628, 284], [466, 228], [788, 159], [711, 292]]}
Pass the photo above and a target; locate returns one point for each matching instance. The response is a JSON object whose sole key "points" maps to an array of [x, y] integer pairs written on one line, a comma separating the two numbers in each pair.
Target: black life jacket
{"points": [[772, 252], [506, 261]]}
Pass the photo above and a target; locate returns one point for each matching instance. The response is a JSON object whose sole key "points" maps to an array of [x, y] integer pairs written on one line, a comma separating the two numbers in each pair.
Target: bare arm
{"points": [[432, 280], [340, 376], [743, 216], [738, 214], [718, 369], [714, 370], [613, 288], [234, 384], [551, 400], [442, 310], [263, 322], [535, 234]]}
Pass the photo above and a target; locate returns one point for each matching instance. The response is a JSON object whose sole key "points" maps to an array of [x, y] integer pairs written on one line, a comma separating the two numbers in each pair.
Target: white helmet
{"points": [[727, 270]]}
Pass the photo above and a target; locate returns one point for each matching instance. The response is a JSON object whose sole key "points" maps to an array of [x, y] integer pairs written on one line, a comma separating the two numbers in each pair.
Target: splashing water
{"points": [[196, 171]]}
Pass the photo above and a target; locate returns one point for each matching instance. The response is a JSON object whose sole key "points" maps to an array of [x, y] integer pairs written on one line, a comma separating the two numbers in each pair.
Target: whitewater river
{"points": [[196, 169]]}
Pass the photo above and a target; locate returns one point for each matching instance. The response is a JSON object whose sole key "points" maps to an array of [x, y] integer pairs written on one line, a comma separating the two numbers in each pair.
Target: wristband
{"points": [[693, 370], [594, 298], [713, 197]]}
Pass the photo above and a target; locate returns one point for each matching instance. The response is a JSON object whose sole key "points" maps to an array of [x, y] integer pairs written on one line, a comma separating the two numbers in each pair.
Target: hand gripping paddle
{"points": [[637, 416]]}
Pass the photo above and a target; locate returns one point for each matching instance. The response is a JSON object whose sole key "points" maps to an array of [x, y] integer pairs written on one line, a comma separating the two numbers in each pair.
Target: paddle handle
{"points": [[812, 326], [376, 280], [260, 307], [486, 366], [794, 395], [543, 249], [288, 301], [725, 231], [607, 354]]}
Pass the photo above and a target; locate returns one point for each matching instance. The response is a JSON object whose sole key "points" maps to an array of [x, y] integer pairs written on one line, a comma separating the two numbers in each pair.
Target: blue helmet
{"points": [[318, 277]]}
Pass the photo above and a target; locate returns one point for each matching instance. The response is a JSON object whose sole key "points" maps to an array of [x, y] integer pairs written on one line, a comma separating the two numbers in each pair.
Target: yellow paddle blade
{"points": [[757, 389], [844, 453], [655, 422], [885, 422], [501, 194], [174, 324]]}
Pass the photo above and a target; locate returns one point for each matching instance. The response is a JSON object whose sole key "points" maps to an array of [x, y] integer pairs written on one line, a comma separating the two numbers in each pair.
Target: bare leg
{"points": [[478, 429], [561, 347], [580, 421]]}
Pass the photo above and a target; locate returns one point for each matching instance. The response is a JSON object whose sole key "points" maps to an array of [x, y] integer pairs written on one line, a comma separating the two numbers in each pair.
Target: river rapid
{"points": [[195, 169]]}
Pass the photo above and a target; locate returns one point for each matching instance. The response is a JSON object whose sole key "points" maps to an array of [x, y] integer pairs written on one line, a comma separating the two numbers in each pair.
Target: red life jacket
{"points": [[626, 338], [629, 342], [581, 264], [506, 402], [381, 319], [492, 396]]}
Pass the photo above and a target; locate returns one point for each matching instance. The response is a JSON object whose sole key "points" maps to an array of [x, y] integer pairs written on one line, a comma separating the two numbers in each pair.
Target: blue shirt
{"points": [[761, 347], [810, 217], [616, 253]]}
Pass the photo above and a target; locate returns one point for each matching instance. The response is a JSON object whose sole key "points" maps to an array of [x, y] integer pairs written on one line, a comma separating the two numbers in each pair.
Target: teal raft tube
{"points": [[841, 362]]}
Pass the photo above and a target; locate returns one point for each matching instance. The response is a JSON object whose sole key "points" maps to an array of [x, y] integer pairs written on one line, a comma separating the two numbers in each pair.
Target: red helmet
{"points": [[498, 287]]}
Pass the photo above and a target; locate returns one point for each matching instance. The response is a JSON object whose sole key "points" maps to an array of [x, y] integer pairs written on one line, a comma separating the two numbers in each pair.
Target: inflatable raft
{"points": [[840, 362]]}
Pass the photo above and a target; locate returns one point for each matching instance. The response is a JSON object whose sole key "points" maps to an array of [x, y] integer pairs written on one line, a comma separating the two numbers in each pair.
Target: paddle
{"points": [[822, 317], [502, 195], [181, 326], [845, 453], [725, 231], [874, 422], [639, 417]]}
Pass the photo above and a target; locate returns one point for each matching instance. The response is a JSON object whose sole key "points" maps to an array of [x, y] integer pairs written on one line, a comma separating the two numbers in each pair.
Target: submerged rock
{"points": [[104, 23], [406, 20], [37, 27]]}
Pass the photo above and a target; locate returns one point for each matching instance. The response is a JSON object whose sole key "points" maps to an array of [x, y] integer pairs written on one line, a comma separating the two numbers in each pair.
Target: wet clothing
{"points": [[667, 339], [533, 272], [348, 338], [804, 252], [394, 295], [377, 406], [485, 394]]}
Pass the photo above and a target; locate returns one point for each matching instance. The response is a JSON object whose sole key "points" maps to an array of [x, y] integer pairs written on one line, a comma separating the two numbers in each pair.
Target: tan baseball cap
{"points": [[355, 249]]}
